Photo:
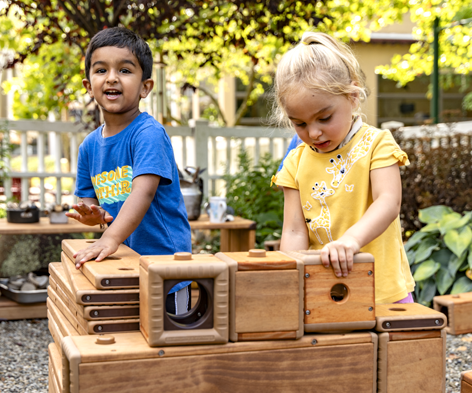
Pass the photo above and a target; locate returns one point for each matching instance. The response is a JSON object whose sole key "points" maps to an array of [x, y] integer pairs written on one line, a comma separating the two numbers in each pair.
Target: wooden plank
{"points": [[43, 227], [267, 301], [467, 376], [56, 362], [203, 222], [10, 310], [55, 301], [52, 386], [267, 336], [120, 270], [407, 310], [56, 334], [466, 387], [415, 335], [233, 240], [272, 260], [65, 327], [288, 370]]}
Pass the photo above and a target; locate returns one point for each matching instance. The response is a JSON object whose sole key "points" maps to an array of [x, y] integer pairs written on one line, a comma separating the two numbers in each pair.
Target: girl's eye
{"points": [[326, 118], [299, 125]]}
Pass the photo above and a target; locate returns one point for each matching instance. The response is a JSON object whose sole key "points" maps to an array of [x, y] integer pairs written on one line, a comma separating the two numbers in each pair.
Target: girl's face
{"points": [[321, 120]]}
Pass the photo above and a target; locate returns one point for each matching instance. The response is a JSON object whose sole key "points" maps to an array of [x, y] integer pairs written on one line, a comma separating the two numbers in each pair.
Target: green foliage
{"points": [[440, 254], [250, 195], [5, 150]]}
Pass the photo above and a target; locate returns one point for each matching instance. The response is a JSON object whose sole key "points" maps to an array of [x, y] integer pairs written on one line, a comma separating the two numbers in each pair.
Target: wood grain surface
{"points": [[56, 362], [272, 261], [10, 310], [44, 227], [65, 327]]}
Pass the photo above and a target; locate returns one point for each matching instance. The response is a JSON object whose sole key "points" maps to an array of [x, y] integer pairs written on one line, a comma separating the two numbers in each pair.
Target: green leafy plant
{"points": [[250, 195], [440, 253]]}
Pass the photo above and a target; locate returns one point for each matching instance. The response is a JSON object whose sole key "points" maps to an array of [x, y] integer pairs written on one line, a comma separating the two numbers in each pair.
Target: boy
{"points": [[126, 173]]}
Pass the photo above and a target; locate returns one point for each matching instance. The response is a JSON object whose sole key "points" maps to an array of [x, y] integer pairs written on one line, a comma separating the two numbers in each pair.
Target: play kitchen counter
{"points": [[237, 235]]}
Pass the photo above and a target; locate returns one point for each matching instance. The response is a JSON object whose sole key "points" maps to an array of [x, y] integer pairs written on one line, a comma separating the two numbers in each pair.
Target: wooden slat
{"points": [[44, 227], [416, 335], [10, 310], [267, 336], [273, 260]]}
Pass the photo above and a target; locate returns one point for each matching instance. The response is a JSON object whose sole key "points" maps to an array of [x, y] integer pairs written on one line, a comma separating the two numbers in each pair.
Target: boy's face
{"points": [[115, 80]]}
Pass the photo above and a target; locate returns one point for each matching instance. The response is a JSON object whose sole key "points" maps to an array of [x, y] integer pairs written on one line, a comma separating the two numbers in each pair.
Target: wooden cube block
{"points": [[458, 309], [321, 363], [408, 316], [266, 295], [120, 270], [207, 322], [338, 303], [11, 310], [466, 382], [412, 362]]}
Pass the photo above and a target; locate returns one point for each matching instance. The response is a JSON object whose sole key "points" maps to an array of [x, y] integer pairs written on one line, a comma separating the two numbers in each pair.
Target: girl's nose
{"points": [[314, 132]]}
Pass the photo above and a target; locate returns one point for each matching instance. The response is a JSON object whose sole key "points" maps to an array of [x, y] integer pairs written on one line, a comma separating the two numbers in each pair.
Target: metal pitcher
{"points": [[191, 186]]}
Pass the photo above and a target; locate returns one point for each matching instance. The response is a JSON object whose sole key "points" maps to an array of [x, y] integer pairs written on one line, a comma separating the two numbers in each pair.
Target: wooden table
{"points": [[237, 235]]}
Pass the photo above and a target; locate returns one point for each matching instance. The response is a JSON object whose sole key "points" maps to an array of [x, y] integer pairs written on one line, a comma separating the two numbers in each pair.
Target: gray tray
{"points": [[38, 296]]}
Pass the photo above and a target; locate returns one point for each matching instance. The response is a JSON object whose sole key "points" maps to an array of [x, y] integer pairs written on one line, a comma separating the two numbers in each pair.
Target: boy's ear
{"points": [[88, 86], [147, 86]]}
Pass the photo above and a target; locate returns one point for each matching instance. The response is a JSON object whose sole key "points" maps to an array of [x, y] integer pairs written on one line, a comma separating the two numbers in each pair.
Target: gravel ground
{"points": [[24, 357]]}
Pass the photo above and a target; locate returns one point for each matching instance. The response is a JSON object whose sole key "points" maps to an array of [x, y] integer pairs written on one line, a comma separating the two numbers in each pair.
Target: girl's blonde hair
{"points": [[318, 62]]}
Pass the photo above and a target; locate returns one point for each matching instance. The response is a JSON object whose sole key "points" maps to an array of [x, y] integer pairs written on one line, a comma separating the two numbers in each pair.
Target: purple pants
{"points": [[408, 299]]}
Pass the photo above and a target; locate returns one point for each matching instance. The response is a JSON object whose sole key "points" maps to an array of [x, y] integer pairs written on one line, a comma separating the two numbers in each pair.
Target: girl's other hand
{"points": [[340, 254]]}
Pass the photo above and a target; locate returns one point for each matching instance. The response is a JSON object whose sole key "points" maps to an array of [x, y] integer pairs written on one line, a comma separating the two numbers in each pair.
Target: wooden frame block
{"points": [[120, 270], [338, 303], [266, 295], [408, 316], [86, 294], [458, 309], [411, 362], [157, 272], [55, 366], [60, 284], [10, 310], [466, 381], [311, 363], [64, 326]]}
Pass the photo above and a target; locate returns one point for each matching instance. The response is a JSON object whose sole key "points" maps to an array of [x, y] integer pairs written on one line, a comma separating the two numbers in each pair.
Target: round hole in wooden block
{"points": [[397, 309], [125, 268], [339, 293], [90, 241], [182, 256], [257, 253]]}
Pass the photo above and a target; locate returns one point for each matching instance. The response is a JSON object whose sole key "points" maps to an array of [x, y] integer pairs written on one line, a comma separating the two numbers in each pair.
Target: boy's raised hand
{"points": [[90, 215], [340, 254], [98, 251]]}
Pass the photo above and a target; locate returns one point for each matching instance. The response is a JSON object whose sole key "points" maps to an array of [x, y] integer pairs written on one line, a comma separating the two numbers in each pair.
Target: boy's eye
{"points": [[100, 71], [125, 71]]}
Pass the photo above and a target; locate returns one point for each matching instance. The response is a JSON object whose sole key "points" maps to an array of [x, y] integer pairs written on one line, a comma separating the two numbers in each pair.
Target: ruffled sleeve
{"points": [[401, 157], [386, 152]]}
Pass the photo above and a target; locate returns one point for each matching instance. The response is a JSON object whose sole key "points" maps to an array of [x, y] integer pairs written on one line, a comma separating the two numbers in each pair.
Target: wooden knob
{"points": [[182, 256], [256, 253], [105, 340]]}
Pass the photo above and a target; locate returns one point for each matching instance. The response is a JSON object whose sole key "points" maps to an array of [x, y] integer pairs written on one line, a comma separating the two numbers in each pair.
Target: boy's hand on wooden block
{"points": [[98, 251], [90, 215], [340, 254]]}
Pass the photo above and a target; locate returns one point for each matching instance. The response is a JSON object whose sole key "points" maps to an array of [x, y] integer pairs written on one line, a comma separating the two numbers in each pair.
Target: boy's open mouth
{"points": [[111, 94]]}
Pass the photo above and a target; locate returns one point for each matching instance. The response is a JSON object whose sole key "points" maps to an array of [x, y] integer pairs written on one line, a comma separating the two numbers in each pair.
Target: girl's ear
{"points": [[147, 86], [88, 86], [354, 97]]}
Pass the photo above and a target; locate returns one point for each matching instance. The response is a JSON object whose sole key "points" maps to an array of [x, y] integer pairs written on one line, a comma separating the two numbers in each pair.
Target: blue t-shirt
{"points": [[293, 144], [106, 169]]}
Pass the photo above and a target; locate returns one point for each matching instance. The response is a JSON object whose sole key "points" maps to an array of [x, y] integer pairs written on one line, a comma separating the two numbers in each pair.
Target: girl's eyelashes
{"points": [[326, 118]]}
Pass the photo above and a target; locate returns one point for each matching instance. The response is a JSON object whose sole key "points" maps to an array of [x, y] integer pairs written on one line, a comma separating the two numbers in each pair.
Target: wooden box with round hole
{"points": [[266, 295], [458, 309], [408, 316], [337, 303], [207, 320], [119, 270]]}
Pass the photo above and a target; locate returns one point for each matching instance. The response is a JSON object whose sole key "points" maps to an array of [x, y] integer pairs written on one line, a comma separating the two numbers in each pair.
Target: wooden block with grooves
{"points": [[55, 366], [408, 316], [338, 303], [412, 362], [120, 270], [206, 322], [458, 309], [86, 294], [266, 295], [466, 381], [323, 363]]}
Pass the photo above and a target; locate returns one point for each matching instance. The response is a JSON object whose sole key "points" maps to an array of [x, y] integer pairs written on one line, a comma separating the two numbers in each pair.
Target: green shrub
{"points": [[440, 253], [250, 195]]}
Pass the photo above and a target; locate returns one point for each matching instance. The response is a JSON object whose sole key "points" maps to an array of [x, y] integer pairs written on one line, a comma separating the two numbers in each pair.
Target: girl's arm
{"points": [[294, 231], [386, 195]]}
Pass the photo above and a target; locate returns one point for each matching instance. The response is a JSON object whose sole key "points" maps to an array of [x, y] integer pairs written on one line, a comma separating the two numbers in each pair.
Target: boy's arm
{"points": [[90, 213], [387, 196], [131, 214], [294, 231]]}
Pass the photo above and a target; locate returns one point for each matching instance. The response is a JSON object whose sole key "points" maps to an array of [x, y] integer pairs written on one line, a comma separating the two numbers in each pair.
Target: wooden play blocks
{"points": [[466, 382], [337, 303], [458, 309], [206, 322], [408, 316], [128, 364], [266, 295], [120, 270], [11, 310]]}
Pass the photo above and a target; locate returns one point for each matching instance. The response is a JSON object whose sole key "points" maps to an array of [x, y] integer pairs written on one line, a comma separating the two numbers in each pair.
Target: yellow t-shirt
{"points": [[335, 192]]}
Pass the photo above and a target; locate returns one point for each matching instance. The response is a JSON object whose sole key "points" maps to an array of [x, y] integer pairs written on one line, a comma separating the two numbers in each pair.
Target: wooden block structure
{"points": [[458, 309], [266, 295], [412, 349], [466, 382], [207, 322], [337, 303], [125, 363], [11, 310]]}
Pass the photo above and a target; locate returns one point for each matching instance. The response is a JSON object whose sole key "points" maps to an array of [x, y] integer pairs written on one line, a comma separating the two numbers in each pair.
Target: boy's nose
{"points": [[112, 77]]}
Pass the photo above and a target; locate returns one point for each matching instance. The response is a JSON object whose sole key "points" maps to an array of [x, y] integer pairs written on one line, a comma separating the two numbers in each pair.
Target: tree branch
{"points": [[250, 87], [77, 18], [215, 102]]}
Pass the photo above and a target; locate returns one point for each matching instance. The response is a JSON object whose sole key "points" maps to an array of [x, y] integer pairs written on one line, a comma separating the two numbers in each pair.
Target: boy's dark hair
{"points": [[121, 38]]}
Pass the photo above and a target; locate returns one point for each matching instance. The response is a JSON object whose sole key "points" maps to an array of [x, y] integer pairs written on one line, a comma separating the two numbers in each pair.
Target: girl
{"points": [[341, 185]]}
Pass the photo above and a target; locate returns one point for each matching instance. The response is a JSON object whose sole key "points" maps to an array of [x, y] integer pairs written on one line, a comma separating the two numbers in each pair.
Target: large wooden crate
{"points": [[458, 309], [412, 362], [343, 363], [466, 382], [266, 295], [207, 322], [120, 270]]}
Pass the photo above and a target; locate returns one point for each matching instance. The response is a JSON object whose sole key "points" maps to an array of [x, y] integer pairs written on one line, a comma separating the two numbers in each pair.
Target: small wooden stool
{"points": [[458, 309]]}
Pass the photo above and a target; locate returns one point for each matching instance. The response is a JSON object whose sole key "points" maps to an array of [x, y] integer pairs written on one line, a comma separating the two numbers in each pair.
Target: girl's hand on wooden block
{"points": [[98, 251], [340, 254], [90, 215]]}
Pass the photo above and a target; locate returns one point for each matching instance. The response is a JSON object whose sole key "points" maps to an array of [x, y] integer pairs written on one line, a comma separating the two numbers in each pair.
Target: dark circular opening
{"points": [[339, 293], [397, 309], [187, 306]]}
